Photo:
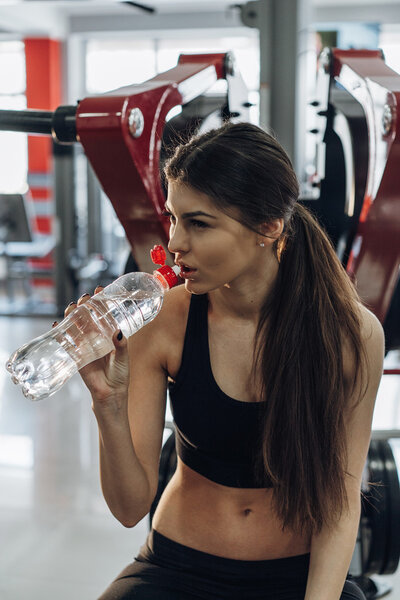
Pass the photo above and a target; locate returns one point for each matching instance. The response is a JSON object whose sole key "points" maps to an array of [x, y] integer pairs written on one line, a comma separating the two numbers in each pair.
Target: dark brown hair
{"points": [[304, 321]]}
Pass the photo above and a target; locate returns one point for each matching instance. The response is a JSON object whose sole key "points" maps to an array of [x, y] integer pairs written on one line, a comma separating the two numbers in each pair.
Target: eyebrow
{"points": [[196, 213]]}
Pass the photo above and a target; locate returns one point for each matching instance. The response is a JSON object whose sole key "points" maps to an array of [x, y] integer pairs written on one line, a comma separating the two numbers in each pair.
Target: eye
{"points": [[198, 224], [166, 213]]}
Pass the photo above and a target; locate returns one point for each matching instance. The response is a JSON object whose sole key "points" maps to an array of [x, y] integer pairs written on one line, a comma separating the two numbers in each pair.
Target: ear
{"points": [[273, 229]]}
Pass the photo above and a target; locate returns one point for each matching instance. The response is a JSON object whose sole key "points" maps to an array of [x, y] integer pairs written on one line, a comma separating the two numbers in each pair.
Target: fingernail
{"points": [[71, 303], [119, 336], [83, 295], [55, 323]]}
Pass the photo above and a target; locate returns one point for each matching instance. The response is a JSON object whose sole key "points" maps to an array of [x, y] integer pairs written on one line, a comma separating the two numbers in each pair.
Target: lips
{"points": [[185, 267], [186, 270]]}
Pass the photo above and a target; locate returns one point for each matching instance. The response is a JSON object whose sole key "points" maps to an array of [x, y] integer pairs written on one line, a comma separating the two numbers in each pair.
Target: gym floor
{"points": [[58, 538]]}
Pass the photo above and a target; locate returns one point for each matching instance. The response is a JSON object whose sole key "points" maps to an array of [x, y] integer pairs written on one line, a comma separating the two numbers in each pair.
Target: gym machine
{"points": [[18, 243], [354, 191], [356, 181]]}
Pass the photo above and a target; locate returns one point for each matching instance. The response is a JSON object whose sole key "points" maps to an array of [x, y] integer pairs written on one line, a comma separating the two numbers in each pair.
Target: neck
{"points": [[244, 297]]}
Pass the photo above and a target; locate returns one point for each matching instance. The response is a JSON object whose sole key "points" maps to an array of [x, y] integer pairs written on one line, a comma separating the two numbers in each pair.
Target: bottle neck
{"points": [[167, 276]]}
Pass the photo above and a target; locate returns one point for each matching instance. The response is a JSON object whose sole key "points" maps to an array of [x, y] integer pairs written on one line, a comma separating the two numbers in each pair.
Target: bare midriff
{"points": [[229, 522]]}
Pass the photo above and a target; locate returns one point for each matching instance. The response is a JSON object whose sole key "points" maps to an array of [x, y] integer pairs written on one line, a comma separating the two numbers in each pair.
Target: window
{"points": [[389, 41], [13, 146], [111, 64]]}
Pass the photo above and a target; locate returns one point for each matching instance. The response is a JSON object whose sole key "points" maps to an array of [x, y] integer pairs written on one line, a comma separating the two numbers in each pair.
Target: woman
{"points": [[273, 366]]}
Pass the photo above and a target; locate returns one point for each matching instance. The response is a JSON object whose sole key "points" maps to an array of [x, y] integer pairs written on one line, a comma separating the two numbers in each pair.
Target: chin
{"points": [[198, 288], [193, 288]]}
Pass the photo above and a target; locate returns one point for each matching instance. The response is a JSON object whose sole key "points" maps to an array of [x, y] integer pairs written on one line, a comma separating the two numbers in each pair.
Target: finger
{"points": [[98, 289], [119, 339], [55, 324], [84, 298], [69, 308], [121, 349]]}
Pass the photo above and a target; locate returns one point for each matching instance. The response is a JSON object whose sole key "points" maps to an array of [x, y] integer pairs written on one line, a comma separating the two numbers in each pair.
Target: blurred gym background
{"points": [[60, 237]]}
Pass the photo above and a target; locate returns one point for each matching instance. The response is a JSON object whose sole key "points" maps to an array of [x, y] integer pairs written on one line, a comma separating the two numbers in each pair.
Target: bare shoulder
{"points": [[171, 322], [371, 328], [372, 333], [176, 304], [373, 340], [163, 338]]}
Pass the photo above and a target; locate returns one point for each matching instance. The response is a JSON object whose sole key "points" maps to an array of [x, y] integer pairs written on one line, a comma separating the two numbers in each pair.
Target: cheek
{"points": [[215, 253], [224, 250], [225, 258]]}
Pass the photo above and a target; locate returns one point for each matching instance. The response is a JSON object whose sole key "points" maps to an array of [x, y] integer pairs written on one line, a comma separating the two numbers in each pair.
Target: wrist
{"points": [[113, 406]]}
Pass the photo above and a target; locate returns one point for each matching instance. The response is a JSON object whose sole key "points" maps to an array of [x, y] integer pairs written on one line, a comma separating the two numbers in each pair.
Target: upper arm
{"points": [[359, 418], [148, 355]]}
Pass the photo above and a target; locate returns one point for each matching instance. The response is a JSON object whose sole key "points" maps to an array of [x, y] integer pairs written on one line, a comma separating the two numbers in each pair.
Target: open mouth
{"points": [[186, 271]]}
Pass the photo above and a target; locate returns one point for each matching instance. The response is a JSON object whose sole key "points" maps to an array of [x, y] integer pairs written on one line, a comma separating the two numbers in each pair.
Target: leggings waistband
{"points": [[165, 552]]}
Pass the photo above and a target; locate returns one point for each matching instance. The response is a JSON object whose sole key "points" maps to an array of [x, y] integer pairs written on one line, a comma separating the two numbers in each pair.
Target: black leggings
{"points": [[166, 570]]}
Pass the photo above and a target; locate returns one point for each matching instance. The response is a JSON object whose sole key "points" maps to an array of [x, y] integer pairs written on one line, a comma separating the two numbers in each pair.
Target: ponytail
{"points": [[311, 308]]}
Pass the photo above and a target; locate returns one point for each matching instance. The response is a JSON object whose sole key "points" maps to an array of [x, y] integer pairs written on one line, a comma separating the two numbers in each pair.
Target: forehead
{"points": [[182, 197]]}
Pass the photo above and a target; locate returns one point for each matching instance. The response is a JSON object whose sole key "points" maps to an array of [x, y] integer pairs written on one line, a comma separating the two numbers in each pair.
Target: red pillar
{"points": [[43, 91]]}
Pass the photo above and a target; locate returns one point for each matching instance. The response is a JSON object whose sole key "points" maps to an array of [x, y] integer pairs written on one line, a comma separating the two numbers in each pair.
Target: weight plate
{"points": [[374, 518], [391, 480]]}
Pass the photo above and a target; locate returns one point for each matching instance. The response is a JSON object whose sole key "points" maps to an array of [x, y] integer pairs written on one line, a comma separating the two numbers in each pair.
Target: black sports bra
{"points": [[216, 435]]}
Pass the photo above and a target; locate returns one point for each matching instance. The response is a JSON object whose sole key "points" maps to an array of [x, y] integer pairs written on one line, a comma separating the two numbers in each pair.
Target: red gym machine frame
{"points": [[121, 134], [375, 253]]}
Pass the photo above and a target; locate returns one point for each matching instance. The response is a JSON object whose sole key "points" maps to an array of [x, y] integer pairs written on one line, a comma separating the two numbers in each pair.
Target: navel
{"points": [[247, 511]]}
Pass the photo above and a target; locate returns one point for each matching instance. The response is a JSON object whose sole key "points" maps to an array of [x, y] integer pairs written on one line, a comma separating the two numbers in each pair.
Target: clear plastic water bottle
{"points": [[43, 365]]}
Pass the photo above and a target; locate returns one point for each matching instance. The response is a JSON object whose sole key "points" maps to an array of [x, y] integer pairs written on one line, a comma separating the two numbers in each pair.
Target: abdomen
{"points": [[229, 522]]}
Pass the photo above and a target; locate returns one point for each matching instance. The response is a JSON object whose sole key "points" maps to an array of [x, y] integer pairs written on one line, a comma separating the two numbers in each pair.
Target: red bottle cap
{"points": [[170, 274], [158, 255]]}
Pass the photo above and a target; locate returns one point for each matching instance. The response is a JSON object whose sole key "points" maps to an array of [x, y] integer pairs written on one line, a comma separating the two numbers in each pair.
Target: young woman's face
{"points": [[212, 248]]}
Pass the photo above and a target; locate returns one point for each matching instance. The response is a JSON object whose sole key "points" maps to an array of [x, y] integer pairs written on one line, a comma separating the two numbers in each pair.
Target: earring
{"points": [[261, 244]]}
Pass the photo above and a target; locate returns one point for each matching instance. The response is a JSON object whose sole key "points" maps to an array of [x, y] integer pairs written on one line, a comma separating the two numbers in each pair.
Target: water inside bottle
{"points": [[127, 311], [41, 370], [43, 365]]}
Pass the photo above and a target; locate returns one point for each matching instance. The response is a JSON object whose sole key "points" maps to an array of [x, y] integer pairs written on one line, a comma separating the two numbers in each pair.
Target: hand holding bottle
{"points": [[89, 332]]}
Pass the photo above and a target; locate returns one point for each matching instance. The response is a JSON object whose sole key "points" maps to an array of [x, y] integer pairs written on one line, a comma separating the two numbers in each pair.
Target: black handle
{"points": [[61, 124]]}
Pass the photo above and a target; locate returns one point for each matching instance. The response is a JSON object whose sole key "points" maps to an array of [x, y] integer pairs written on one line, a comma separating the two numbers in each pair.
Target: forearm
{"points": [[124, 482], [331, 553]]}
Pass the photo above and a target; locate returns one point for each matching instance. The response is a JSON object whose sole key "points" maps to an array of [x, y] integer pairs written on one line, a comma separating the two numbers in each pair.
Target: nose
{"points": [[178, 240]]}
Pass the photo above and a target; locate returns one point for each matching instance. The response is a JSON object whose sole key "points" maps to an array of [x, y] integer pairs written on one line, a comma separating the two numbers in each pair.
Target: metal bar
{"points": [[385, 434], [391, 371], [60, 124], [66, 285], [28, 121]]}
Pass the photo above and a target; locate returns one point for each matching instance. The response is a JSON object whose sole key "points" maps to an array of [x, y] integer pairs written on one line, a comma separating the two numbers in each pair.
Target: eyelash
{"points": [[194, 222]]}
